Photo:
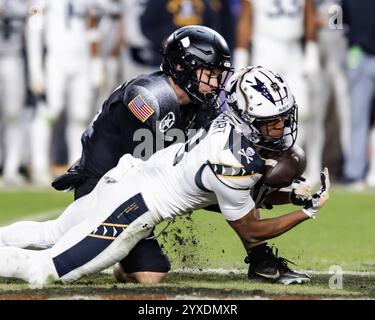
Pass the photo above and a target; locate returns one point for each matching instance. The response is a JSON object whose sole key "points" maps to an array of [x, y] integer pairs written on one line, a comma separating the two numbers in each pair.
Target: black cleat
{"points": [[266, 266]]}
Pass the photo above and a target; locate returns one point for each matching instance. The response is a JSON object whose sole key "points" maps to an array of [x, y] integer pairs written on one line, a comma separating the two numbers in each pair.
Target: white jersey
{"points": [[133, 34], [66, 29], [110, 25], [278, 19], [218, 166]]}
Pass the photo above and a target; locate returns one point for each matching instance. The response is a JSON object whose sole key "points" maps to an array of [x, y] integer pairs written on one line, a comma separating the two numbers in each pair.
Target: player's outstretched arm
{"points": [[252, 230]]}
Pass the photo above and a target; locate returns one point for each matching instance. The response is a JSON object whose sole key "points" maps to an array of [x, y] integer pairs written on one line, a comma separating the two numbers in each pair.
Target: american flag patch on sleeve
{"points": [[140, 108]]}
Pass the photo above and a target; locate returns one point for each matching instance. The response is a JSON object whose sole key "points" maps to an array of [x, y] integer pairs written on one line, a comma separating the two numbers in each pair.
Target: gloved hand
{"points": [[311, 63], [318, 199], [301, 192], [97, 72]]}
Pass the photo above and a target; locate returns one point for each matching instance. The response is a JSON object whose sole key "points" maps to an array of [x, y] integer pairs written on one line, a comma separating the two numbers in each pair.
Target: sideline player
{"points": [[71, 42], [12, 86], [270, 33]]}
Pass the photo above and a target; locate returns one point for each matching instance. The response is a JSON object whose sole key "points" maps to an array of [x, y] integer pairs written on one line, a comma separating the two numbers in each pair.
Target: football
{"points": [[283, 167]]}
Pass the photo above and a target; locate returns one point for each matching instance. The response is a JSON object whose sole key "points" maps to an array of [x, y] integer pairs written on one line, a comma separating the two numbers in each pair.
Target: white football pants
{"points": [[93, 233], [12, 99], [68, 86]]}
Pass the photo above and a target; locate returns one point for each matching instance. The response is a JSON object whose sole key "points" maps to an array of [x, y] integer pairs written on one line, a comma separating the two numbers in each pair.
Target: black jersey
{"points": [[143, 107]]}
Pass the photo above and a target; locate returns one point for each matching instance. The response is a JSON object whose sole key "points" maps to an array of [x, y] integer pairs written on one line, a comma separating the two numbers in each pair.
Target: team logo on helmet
{"points": [[261, 87]]}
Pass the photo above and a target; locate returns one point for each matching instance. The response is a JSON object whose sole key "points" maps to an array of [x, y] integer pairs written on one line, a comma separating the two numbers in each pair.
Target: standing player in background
{"points": [[331, 86], [111, 37], [12, 86], [71, 42], [360, 31], [138, 54], [270, 33]]}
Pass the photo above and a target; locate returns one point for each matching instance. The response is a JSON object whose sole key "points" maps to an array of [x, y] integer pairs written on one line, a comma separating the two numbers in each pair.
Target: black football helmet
{"points": [[190, 48]]}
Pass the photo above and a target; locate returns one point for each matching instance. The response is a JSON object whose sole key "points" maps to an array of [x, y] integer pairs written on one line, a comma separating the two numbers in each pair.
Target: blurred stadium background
{"points": [[35, 147]]}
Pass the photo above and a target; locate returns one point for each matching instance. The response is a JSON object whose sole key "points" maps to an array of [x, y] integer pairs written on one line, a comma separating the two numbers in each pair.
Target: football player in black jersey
{"points": [[183, 95]]}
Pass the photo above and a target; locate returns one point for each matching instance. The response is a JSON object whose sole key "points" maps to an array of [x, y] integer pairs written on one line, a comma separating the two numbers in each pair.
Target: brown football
{"points": [[283, 167]]}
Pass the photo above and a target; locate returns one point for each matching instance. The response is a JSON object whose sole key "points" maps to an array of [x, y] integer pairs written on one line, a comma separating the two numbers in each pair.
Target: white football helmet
{"points": [[256, 95]]}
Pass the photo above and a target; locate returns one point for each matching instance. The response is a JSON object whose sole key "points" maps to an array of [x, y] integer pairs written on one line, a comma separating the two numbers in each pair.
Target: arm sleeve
{"points": [[234, 200]]}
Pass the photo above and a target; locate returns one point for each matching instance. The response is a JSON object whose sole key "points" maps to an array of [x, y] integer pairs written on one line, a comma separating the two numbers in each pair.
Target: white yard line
{"points": [[244, 271]]}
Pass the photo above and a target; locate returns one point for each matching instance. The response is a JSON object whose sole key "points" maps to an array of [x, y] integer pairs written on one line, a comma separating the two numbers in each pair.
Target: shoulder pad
{"points": [[150, 98], [244, 152], [141, 102]]}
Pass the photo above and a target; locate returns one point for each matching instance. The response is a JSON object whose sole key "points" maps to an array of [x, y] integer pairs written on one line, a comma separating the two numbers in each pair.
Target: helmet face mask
{"points": [[263, 104], [288, 136], [188, 53]]}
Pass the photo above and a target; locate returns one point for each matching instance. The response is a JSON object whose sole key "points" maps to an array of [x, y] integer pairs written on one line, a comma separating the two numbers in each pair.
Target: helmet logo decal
{"points": [[260, 87], [167, 122], [185, 42]]}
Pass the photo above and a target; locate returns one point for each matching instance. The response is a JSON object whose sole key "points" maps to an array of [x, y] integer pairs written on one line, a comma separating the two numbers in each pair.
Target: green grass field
{"points": [[342, 235]]}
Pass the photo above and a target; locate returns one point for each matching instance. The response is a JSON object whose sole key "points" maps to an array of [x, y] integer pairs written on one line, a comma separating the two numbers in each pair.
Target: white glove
{"points": [[311, 63], [318, 199], [241, 58], [97, 72]]}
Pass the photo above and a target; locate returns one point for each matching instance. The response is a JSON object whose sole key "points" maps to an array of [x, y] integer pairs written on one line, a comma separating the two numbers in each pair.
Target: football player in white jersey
{"points": [[12, 85], [275, 29], [110, 29], [70, 40], [332, 80], [217, 166], [138, 51]]}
